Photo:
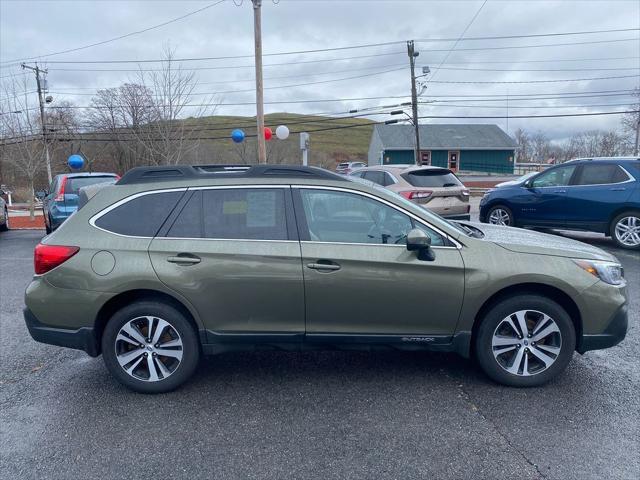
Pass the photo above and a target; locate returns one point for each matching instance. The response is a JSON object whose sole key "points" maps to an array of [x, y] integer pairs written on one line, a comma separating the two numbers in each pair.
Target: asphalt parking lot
{"points": [[311, 415]]}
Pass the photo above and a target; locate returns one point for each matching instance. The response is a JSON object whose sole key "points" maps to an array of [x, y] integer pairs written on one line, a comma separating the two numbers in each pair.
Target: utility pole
{"points": [[38, 71], [257, 32], [635, 150], [414, 96]]}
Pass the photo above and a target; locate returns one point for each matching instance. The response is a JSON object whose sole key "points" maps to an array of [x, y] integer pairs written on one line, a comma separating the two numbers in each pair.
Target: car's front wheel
{"points": [[500, 215], [525, 341], [625, 230], [150, 347]]}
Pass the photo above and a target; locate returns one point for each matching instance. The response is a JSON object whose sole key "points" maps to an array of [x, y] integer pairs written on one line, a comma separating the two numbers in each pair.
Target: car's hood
{"points": [[529, 241], [508, 183]]}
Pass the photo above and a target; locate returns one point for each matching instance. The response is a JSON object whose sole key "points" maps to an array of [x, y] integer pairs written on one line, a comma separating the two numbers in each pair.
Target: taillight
{"points": [[60, 194], [416, 194], [47, 257]]}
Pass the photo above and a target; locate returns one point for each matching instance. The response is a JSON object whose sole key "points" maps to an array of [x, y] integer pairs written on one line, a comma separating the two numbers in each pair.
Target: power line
{"points": [[560, 80], [120, 37], [486, 117], [319, 50]]}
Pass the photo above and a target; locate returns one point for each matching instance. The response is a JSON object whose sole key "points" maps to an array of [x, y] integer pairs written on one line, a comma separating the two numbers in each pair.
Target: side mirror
{"points": [[419, 241]]}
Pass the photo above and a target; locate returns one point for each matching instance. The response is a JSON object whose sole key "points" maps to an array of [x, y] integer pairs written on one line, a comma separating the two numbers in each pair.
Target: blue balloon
{"points": [[237, 135], [75, 162]]}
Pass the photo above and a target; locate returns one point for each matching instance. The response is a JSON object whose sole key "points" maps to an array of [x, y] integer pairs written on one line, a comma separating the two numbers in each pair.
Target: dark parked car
{"points": [[62, 198], [4, 214], [599, 194]]}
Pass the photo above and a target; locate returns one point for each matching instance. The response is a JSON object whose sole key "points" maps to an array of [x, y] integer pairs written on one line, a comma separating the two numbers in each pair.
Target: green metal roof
{"points": [[446, 137]]}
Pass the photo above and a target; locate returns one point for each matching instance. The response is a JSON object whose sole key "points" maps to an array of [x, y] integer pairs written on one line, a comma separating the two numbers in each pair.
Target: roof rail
{"points": [[186, 172]]}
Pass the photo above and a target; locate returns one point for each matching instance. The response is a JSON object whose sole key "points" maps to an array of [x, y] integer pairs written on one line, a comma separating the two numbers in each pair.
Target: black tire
{"points": [[188, 336], [614, 236], [5, 226], [47, 228], [505, 209], [484, 350]]}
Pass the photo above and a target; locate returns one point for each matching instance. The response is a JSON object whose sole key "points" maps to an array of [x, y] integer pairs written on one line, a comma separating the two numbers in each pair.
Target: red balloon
{"points": [[267, 133]]}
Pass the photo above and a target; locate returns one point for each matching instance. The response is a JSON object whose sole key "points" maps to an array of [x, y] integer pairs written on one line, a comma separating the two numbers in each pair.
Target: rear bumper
{"points": [[613, 334], [81, 339]]}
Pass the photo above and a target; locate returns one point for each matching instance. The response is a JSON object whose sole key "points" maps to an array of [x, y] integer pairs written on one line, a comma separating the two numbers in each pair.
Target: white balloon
{"points": [[282, 132]]}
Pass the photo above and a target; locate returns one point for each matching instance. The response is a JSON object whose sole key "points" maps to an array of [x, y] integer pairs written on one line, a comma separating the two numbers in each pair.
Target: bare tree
{"points": [[523, 141], [168, 137], [23, 145], [631, 121], [540, 147]]}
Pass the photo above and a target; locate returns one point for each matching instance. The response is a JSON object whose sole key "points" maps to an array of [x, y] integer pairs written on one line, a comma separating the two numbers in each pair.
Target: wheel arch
{"points": [[125, 298], [551, 292], [619, 211]]}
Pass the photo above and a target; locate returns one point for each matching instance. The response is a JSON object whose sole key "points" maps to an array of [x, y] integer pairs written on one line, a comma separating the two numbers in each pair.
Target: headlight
{"points": [[609, 272]]}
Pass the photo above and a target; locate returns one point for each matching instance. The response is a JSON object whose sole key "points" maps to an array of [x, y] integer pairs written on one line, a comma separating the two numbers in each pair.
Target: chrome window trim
{"points": [[224, 239], [95, 217], [401, 245], [630, 179], [457, 244]]}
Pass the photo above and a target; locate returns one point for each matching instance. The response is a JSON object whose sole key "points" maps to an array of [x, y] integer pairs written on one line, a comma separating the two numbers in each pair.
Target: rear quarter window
{"points": [[140, 217]]}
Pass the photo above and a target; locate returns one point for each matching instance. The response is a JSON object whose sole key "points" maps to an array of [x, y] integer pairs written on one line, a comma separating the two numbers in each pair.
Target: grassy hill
{"points": [[344, 138]]}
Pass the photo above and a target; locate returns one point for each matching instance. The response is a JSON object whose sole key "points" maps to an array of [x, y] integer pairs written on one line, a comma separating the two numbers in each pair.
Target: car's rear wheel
{"points": [[150, 347], [5, 226], [500, 215], [525, 341], [47, 226], [625, 230]]}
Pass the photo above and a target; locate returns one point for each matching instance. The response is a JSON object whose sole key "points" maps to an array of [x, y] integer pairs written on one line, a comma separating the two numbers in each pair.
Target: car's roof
{"points": [[606, 159]]}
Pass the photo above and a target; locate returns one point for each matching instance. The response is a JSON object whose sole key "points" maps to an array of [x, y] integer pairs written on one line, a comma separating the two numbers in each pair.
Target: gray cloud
{"points": [[33, 28]]}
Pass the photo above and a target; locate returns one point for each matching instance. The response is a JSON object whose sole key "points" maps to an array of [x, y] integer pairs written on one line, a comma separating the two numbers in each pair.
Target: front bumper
{"points": [[612, 335], [80, 339]]}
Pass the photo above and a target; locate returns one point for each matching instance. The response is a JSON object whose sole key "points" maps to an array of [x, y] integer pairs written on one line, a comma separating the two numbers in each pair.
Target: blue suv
{"points": [[62, 198], [595, 194]]}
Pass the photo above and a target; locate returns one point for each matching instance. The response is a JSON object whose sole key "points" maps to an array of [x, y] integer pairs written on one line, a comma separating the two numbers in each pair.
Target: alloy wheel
{"points": [[627, 231], [499, 216], [148, 348], [526, 343]]}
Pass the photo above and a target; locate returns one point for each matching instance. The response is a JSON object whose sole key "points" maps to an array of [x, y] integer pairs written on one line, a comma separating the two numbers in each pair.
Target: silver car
{"points": [[434, 188]]}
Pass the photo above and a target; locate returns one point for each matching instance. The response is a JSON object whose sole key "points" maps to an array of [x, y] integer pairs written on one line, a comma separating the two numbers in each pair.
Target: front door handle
{"points": [[184, 259], [618, 189], [324, 265]]}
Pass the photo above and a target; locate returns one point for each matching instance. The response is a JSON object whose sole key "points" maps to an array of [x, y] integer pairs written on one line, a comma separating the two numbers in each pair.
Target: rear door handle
{"points": [[325, 265], [184, 259], [618, 189], [560, 191]]}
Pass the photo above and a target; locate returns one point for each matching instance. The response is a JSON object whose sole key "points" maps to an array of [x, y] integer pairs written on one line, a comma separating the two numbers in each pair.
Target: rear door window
{"points": [[140, 217], [375, 177], [602, 174], [244, 214], [434, 178]]}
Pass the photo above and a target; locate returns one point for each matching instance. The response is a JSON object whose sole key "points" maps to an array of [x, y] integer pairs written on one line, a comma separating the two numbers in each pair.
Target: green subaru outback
{"points": [[176, 262]]}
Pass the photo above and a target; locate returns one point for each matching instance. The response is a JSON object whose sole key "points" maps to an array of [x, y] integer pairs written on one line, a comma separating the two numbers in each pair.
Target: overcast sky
{"points": [[33, 28]]}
